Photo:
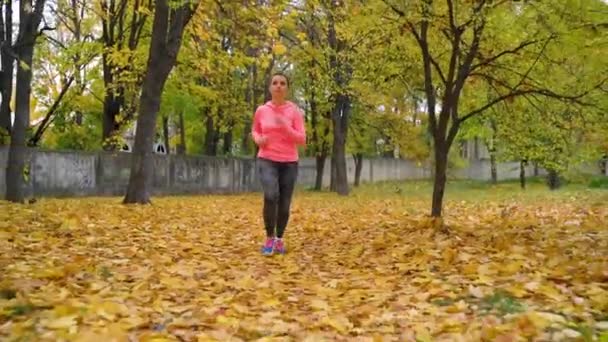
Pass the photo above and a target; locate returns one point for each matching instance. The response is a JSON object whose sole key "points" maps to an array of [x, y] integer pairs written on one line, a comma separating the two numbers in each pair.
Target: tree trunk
{"points": [[166, 133], [29, 20], [7, 69], [332, 175], [210, 137], [250, 98], [111, 111], [320, 163], [441, 162], [228, 142], [358, 167], [341, 73], [553, 180], [16, 156], [522, 173], [492, 151], [340, 125], [493, 167], [167, 31], [181, 149], [535, 169]]}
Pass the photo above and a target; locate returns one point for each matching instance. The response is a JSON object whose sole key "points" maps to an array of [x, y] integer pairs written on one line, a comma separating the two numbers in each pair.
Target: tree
{"points": [[63, 62], [482, 39], [7, 56], [167, 30], [123, 22], [306, 35], [342, 73], [30, 17]]}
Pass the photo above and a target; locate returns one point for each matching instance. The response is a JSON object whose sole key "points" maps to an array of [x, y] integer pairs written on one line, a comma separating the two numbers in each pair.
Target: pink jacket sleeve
{"points": [[298, 132], [256, 130]]}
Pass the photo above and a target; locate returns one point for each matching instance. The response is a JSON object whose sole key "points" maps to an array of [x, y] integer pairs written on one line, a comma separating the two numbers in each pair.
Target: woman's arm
{"points": [[256, 129]]}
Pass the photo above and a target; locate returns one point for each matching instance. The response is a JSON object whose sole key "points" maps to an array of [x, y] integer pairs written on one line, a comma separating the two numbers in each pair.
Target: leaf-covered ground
{"points": [[369, 267]]}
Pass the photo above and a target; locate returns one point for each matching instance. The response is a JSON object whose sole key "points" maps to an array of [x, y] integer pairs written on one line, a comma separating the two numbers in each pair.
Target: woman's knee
{"points": [[271, 195]]}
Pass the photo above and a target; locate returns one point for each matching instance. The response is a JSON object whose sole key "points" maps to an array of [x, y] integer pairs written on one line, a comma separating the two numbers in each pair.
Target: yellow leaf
{"points": [[156, 337], [65, 322], [423, 334], [551, 292], [476, 292], [172, 282], [340, 323], [279, 49], [227, 321], [50, 273], [271, 302], [319, 304]]}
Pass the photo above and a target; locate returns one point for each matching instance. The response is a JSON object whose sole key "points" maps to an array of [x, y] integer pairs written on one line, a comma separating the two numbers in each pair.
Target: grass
{"points": [[475, 191]]}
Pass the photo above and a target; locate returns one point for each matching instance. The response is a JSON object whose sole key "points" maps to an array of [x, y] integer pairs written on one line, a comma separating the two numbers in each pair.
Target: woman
{"points": [[278, 127]]}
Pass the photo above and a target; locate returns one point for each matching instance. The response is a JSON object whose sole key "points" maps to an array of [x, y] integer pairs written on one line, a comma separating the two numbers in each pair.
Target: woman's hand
{"points": [[260, 140]]}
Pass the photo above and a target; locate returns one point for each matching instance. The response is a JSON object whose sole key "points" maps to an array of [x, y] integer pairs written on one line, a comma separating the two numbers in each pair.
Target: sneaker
{"points": [[268, 247], [279, 246]]}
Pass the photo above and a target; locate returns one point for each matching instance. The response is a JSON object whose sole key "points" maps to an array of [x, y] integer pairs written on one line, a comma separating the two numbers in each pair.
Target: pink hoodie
{"points": [[281, 141]]}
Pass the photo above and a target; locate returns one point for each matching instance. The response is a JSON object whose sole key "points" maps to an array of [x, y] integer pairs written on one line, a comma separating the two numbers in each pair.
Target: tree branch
{"points": [[395, 9], [34, 140], [543, 92], [513, 51]]}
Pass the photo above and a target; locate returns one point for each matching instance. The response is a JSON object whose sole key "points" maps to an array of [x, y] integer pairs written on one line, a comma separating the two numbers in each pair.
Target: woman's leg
{"points": [[269, 177], [287, 180]]}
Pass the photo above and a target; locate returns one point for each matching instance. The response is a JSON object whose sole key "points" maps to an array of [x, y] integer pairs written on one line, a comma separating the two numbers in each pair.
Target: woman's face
{"points": [[278, 87]]}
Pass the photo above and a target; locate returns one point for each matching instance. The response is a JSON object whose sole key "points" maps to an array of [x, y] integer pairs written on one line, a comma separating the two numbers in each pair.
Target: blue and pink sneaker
{"points": [[268, 247], [279, 246]]}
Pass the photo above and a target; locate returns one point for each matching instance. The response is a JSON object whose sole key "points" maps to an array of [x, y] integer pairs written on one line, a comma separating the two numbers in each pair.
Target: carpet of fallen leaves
{"points": [[361, 268]]}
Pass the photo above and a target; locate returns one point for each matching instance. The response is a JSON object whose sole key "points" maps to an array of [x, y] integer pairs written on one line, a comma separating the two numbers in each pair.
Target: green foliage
{"points": [[230, 49], [600, 182]]}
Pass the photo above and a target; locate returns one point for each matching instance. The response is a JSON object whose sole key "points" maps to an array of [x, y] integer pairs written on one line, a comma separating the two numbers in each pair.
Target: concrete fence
{"points": [[77, 173]]}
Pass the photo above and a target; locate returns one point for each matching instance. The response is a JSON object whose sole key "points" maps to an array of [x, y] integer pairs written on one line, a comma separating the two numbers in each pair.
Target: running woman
{"points": [[278, 128]]}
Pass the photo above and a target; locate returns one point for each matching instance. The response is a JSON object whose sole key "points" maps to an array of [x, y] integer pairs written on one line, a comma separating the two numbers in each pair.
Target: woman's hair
{"points": [[279, 73]]}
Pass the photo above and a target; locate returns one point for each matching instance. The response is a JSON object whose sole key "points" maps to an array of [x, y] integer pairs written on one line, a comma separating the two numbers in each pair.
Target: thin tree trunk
{"points": [[210, 139], [250, 98], [441, 158], [332, 175], [110, 126], [7, 70], [553, 180], [181, 149], [358, 157], [493, 167], [166, 133], [340, 121], [228, 142], [320, 167], [522, 173], [35, 140], [492, 150]]}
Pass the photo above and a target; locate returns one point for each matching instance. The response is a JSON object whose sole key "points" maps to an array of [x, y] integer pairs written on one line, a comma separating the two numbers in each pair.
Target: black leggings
{"points": [[278, 181]]}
